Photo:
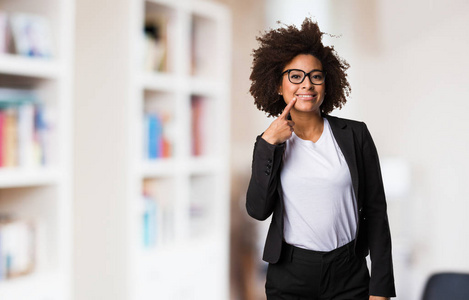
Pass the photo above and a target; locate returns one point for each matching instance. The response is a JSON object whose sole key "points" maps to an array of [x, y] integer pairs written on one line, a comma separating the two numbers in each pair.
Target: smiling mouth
{"points": [[306, 97]]}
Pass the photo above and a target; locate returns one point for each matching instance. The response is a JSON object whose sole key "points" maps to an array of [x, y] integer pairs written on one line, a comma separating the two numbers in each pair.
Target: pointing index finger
{"points": [[287, 109]]}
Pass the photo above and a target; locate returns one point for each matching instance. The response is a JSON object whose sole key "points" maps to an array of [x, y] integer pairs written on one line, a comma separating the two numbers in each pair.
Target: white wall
{"points": [[409, 76], [287, 12]]}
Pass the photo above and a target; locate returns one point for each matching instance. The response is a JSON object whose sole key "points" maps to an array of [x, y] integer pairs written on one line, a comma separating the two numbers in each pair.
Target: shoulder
{"points": [[358, 128], [342, 123]]}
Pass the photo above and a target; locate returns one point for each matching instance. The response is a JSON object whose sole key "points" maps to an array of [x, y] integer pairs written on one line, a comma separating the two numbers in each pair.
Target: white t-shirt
{"points": [[320, 206]]}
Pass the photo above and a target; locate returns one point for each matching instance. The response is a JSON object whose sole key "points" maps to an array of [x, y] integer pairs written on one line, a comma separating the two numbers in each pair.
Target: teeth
{"points": [[305, 96]]}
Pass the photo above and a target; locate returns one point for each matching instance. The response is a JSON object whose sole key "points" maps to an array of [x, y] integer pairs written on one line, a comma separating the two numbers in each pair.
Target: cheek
{"points": [[322, 90], [288, 88]]}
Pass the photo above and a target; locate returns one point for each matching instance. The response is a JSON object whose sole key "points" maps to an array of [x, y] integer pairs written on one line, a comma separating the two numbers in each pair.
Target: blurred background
{"points": [[127, 131]]}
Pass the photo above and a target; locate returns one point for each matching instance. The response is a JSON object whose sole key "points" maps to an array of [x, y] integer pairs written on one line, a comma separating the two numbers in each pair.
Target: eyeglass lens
{"points": [[297, 76]]}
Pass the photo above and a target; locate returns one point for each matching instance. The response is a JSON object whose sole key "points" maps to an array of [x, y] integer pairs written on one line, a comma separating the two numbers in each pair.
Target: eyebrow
{"points": [[303, 70]]}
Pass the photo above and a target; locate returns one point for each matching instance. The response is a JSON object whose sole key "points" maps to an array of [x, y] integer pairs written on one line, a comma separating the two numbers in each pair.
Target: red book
{"points": [[197, 110], [166, 148], [10, 138], [2, 137]]}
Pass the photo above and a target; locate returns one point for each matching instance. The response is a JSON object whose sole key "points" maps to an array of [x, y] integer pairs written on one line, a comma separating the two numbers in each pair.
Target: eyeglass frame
{"points": [[305, 74]]}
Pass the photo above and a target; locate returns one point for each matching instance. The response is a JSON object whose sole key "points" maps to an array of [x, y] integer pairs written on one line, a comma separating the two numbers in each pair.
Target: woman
{"points": [[317, 174]]}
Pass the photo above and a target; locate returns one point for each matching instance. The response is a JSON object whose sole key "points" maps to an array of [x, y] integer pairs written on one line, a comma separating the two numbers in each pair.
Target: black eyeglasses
{"points": [[297, 76]]}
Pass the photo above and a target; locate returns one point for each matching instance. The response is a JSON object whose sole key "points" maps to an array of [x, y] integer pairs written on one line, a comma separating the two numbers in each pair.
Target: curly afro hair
{"points": [[277, 48]]}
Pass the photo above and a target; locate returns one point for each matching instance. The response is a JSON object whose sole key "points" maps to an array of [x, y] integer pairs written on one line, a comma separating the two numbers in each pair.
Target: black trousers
{"points": [[311, 275]]}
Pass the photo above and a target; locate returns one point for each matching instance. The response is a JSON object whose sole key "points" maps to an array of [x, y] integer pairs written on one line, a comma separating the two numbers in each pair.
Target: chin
{"points": [[308, 109]]}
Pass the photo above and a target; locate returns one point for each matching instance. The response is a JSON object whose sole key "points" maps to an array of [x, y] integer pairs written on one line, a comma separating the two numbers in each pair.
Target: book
{"points": [[43, 131], [157, 142], [199, 125], [17, 247], [149, 221], [155, 132], [155, 41], [10, 138], [24, 129], [159, 212], [158, 225], [25, 134]]}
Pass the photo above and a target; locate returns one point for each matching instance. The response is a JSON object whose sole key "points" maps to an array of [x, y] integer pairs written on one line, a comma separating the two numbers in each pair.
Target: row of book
{"points": [[157, 214], [157, 210], [157, 139], [157, 131], [157, 48], [24, 129], [17, 247], [155, 57], [25, 34]]}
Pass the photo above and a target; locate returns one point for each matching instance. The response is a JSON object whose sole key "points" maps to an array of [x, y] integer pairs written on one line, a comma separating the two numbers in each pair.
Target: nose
{"points": [[306, 84]]}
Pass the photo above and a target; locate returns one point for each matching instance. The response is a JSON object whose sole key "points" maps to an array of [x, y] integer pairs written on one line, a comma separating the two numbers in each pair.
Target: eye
{"points": [[296, 76]]}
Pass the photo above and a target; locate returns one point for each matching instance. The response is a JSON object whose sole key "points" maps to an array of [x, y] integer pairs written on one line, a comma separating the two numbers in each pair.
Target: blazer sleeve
{"points": [[379, 236], [262, 192]]}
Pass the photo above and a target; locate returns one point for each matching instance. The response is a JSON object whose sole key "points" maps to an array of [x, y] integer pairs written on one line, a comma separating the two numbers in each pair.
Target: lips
{"points": [[306, 96]]}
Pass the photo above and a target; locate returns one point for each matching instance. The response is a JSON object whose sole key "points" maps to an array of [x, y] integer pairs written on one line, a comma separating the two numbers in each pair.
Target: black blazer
{"points": [[264, 197]]}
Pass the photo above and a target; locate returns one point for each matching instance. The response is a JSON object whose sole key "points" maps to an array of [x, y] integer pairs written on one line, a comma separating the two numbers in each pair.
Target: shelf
{"points": [[39, 286], [202, 85], [169, 167], [36, 179], [20, 177], [172, 250], [205, 164], [169, 3], [210, 10], [158, 81], [159, 167], [206, 259], [167, 82], [29, 66]]}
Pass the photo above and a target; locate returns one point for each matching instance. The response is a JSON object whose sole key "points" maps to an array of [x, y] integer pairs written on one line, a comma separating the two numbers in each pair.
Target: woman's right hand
{"points": [[281, 129]]}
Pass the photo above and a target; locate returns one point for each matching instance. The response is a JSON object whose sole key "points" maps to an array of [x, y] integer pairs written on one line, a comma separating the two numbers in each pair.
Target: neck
{"points": [[308, 126]]}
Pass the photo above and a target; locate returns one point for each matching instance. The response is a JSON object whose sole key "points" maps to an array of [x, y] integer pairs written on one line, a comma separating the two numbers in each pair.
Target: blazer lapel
{"points": [[344, 137]]}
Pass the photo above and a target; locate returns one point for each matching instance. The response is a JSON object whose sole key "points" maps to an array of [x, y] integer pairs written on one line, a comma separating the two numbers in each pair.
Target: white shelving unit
{"points": [[190, 258], [187, 231], [42, 194]]}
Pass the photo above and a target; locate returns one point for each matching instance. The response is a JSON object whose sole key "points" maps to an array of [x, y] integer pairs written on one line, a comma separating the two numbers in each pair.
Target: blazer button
{"points": [[269, 161], [267, 173], [269, 166]]}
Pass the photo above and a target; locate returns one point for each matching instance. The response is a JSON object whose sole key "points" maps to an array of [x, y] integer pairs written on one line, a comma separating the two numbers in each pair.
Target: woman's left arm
{"points": [[378, 298], [379, 236]]}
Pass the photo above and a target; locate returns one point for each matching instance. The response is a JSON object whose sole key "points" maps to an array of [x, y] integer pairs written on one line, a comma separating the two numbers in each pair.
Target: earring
{"points": [[280, 93]]}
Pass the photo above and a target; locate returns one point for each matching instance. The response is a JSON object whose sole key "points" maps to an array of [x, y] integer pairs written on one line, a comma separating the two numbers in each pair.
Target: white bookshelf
{"points": [[26, 66], [20, 177], [192, 263], [113, 96], [42, 194]]}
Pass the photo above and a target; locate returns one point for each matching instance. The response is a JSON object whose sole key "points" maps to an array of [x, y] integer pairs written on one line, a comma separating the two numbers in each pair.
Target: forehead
{"points": [[305, 62]]}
